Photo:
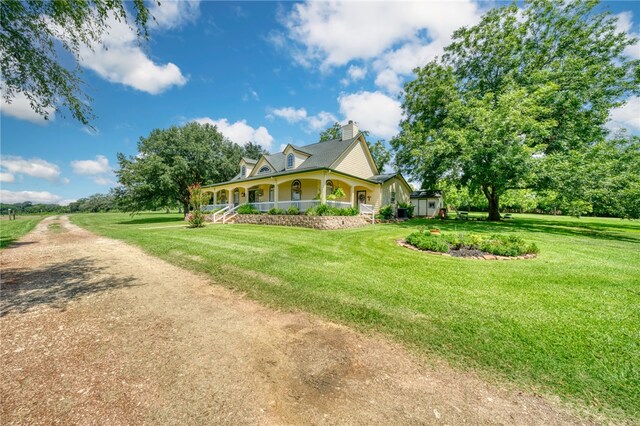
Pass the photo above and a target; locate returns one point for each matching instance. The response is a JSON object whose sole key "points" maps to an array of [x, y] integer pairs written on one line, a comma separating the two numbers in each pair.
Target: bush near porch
{"points": [[566, 323]]}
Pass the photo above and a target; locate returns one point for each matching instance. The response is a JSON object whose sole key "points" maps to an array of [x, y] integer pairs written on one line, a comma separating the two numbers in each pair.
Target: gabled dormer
{"points": [[246, 166], [263, 167], [294, 157]]}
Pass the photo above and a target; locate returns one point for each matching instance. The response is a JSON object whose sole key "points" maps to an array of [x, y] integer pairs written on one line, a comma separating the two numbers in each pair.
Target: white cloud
{"points": [[291, 114], [34, 167], [174, 14], [329, 34], [312, 122], [240, 132], [625, 24], [66, 202], [91, 167], [356, 73], [20, 108], [11, 197], [374, 111], [626, 116], [100, 180], [120, 59], [321, 120], [7, 177], [334, 33]]}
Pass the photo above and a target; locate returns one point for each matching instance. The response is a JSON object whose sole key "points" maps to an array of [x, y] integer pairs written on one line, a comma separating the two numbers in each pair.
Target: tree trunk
{"points": [[185, 206], [494, 202]]}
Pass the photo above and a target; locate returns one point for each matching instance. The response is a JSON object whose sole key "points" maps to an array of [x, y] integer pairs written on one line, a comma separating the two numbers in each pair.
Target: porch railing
{"points": [[213, 207], [339, 204], [263, 206], [302, 205]]}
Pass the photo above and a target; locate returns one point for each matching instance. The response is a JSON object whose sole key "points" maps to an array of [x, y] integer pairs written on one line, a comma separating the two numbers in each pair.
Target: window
{"points": [[243, 171], [329, 186], [271, 193], [290, 160], [222, 198], [296, 190], [264, 169], [393, 197], [432, 204], [236, 197]]}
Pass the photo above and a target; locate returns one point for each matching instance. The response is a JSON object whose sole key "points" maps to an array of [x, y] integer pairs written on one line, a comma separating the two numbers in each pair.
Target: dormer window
{"points": [[243, 171], [290, 161], [264, 169]]}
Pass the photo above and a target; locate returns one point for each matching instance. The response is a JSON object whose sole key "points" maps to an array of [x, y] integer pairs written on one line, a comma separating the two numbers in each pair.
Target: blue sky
{"points": [[272, 73]]}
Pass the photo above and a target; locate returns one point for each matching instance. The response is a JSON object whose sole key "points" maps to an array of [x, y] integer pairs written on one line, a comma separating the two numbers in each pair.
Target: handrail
{"points": [[224, 217], [366, 209], [223, 210]]}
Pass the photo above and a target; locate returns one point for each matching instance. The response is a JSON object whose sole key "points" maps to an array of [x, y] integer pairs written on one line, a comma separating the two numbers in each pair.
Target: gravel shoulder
{"points": [[96, 331]]}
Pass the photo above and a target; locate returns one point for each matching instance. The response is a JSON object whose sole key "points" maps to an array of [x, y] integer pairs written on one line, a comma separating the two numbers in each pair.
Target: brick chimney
{"points": [[349, 131]]}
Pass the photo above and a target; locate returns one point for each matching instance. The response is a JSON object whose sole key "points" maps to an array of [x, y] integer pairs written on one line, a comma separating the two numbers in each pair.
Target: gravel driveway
{"points": [[95, 331]]}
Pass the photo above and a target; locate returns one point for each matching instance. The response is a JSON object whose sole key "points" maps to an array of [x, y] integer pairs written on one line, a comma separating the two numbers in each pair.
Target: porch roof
{"points": [[292, 172]]}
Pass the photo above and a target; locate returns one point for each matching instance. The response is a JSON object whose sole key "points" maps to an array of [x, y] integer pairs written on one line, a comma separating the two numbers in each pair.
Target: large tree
{"points": [[381, 155], [522, 85], [34, 32], [170, 160]]}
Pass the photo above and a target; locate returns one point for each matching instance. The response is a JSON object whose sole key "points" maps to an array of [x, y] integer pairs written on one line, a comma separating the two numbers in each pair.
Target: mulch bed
{"points": [[466, 253]]}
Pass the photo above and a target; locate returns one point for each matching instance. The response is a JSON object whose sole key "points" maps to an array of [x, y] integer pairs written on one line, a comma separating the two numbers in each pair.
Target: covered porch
{"points": [[302, 191]]}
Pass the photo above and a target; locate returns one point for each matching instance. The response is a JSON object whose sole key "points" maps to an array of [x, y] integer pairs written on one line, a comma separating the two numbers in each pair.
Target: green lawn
{"points": [[566, 323], [11, 230]]}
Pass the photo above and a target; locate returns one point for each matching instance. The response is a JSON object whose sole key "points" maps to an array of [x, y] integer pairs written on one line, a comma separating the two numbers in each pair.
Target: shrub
{"points": [[410, 207], [326, 210], [293, 210], [274, 210], [507, 245], [500, 245], [349, 211], [386, 212], [428, 242], [196, 199], [247, 209]]}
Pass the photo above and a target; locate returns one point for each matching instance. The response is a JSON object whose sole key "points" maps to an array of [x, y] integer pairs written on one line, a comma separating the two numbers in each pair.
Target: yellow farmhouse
{"points": [[303, 177]]}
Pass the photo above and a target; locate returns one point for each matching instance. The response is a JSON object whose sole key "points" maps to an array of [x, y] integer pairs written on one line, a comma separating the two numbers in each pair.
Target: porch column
{"points": [[214, 197], [323, 189], [275, 193], [352, 196]]}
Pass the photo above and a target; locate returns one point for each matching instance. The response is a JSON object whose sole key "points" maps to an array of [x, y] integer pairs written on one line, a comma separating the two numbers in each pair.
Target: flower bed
{"points": [[473, 245]]}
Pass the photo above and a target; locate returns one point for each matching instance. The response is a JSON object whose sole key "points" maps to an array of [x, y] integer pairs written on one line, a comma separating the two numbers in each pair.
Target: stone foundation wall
{"points": [[316, 222]]}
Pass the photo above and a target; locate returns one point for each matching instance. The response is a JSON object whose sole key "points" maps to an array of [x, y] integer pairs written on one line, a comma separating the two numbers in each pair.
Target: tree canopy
{"points": [[381, 155], [522, 86], [32, 33], [170, 160]]}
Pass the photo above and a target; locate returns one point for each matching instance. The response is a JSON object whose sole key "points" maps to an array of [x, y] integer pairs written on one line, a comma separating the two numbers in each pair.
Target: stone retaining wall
{"points": [[316, 222]]}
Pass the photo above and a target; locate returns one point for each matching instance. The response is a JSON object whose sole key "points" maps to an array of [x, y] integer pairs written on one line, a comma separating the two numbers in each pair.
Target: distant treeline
{"points": [[92, 204]]}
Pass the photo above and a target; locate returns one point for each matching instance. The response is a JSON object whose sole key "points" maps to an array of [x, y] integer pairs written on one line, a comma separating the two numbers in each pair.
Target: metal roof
{"points": [[426, 193]]}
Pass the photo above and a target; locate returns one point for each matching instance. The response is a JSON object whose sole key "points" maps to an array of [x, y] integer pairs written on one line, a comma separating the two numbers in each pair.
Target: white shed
{"points": [[426, 202]]}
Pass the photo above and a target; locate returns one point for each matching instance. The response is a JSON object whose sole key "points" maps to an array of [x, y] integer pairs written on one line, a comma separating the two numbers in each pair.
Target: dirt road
{"points": [[96, 331]]}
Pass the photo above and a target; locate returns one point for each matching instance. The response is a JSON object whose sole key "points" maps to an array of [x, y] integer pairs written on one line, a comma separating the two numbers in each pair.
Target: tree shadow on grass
{"points": [[11, 242], [156, 219], [568, 228], [55, 285]]}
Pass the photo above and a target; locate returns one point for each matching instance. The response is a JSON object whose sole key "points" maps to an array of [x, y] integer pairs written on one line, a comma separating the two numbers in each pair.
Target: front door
{"points": [[252, 195], [361, 198]]}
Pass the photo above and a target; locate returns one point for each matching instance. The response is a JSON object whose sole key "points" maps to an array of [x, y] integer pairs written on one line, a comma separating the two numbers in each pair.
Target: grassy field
{"points": [[11, 230], [566, 323]]}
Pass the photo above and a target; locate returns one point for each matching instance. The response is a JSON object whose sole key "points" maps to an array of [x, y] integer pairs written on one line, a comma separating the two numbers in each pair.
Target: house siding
{"points": [[394, 185], [356, 163]]}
